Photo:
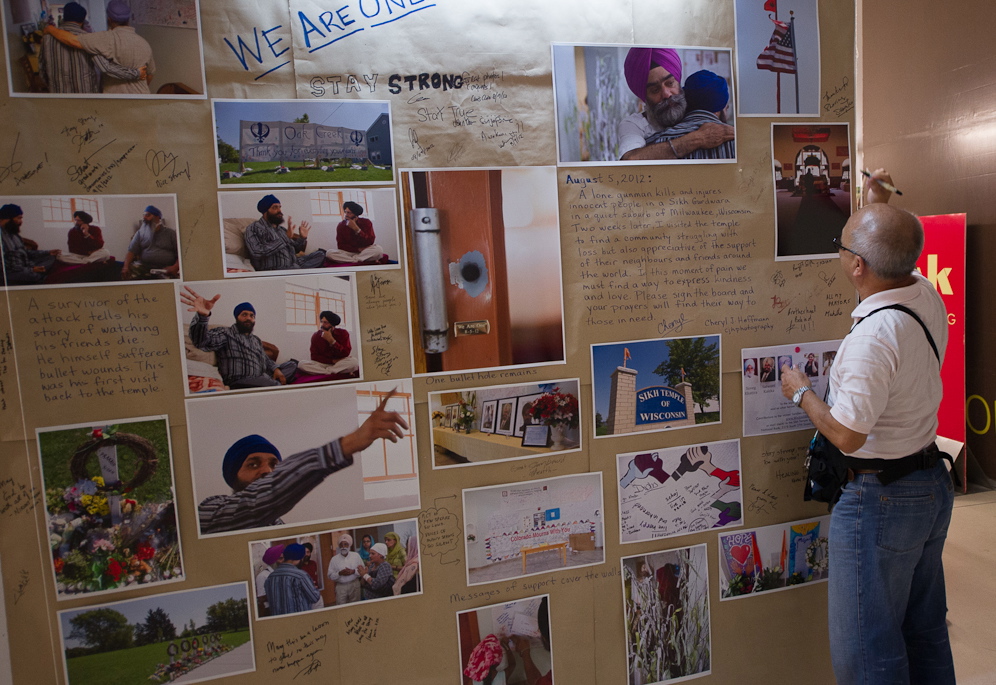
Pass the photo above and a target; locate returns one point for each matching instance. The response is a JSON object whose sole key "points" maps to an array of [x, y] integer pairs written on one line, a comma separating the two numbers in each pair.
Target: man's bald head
{"points": [[889, 239]]}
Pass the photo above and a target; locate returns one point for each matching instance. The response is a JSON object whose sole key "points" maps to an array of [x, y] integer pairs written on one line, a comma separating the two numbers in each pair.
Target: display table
{"points": [[478, 446], [562, 546]]}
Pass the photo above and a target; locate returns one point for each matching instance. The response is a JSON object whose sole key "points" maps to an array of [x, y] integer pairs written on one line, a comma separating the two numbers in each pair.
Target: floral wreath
{"points": [[816, 555], [141, 447]]}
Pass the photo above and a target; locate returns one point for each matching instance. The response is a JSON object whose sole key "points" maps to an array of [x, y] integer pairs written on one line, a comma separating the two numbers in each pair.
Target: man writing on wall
{"points": [[654, 76], [886, 593], [242, 361], [272, 248], [330, 349], [265, 486]]}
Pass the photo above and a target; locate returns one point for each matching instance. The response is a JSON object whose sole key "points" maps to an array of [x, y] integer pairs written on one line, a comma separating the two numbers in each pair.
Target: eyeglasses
{"points": [[836, 243]]}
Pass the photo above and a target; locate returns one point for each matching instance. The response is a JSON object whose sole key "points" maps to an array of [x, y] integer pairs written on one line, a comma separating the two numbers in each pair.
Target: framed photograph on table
{"points": [[522, 414], [536, 436], [506, 416], [488, 413]]}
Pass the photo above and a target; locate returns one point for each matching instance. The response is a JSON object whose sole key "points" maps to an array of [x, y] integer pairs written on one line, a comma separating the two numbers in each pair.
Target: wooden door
{"points": [[470, 218]]}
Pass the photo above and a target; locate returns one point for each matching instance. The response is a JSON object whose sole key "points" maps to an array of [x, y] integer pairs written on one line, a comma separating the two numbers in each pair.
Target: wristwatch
{"points": [[797, 395]]}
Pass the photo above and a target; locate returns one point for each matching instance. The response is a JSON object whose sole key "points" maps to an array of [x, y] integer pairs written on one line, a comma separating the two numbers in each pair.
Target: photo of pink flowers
{"points": [[110, 505]]}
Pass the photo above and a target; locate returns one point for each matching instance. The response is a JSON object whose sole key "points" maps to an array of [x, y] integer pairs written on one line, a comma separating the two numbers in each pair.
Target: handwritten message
{"points": [[17, 498], [439, 531], [364, 628], [788, 462], [96, 347], [662, 255], [538, 469], [301, 653], [265, 50], [838, 100], [6, 367], [534, 586]]}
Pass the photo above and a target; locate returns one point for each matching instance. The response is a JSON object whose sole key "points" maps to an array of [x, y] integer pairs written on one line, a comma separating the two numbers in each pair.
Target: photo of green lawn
{"points": [[296, 142], [194, 635]]}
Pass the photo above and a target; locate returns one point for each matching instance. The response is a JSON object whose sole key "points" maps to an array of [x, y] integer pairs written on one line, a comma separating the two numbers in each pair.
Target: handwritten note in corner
{"points": [[299, 653]]}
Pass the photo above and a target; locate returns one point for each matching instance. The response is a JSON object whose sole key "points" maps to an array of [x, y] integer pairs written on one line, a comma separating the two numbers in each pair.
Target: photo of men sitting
{"points": [[309, 229], [49, 240], [240, 334]]}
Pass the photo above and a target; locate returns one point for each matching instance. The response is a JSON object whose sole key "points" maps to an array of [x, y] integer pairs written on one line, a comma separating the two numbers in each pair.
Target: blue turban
{"points": [[268, 201], [293, 552], [706, 90], [74, 12], [240, 451], [244, 307], [10, 211], [638, 63], [152, 209]]}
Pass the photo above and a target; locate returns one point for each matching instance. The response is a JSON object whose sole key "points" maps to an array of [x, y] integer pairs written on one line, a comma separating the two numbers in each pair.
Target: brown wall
{"points": [[929, 116]]}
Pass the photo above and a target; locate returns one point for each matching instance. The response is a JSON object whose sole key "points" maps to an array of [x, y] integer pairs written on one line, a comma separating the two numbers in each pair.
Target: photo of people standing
{"points": [[346, 578], [104, 48]]}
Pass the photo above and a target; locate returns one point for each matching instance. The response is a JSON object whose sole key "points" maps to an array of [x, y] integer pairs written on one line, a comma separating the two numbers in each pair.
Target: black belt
{"points": [[891, 470]]}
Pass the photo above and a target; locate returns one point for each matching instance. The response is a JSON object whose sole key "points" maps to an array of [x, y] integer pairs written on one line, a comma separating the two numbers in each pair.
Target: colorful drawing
{"points": [[679, 490]]}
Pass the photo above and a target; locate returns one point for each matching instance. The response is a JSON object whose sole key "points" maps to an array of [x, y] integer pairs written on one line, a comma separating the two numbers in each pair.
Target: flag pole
{"points": [[778, 81], [795, 58]]}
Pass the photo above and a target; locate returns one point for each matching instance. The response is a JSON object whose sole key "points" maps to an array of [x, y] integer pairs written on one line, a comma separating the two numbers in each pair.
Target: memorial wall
{"points": [[563, 248]]}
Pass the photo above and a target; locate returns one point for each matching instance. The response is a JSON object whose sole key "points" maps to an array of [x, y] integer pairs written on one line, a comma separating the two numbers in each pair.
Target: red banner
{"points": [[943, 263]]}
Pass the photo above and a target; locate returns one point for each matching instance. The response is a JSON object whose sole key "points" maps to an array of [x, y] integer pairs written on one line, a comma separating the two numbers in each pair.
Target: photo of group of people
{"points": [[54, 240], [335, 568]]}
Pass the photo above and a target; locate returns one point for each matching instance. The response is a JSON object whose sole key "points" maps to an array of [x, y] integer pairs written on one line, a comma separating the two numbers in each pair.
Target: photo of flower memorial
{"points": [[109, 500], [188, 636], [771, 558]]}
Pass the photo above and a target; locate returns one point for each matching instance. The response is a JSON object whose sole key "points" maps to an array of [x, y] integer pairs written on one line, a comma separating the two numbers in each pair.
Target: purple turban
{"points": [[118, 11], [637, 67], [271, 555], [706, 90]]}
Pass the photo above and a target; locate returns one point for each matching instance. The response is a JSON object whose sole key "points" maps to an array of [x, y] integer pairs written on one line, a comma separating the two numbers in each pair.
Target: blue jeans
{"points": [[887, 603]]}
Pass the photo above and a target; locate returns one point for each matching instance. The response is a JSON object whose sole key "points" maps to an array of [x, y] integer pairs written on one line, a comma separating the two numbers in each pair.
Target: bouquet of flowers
{"points": [[556, 408], [467, 413]]}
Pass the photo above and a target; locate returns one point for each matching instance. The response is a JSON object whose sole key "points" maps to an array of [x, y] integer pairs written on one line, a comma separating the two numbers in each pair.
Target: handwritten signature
{"points": [[22, 584], [377, 283], [313, 666], [16, 166]]}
